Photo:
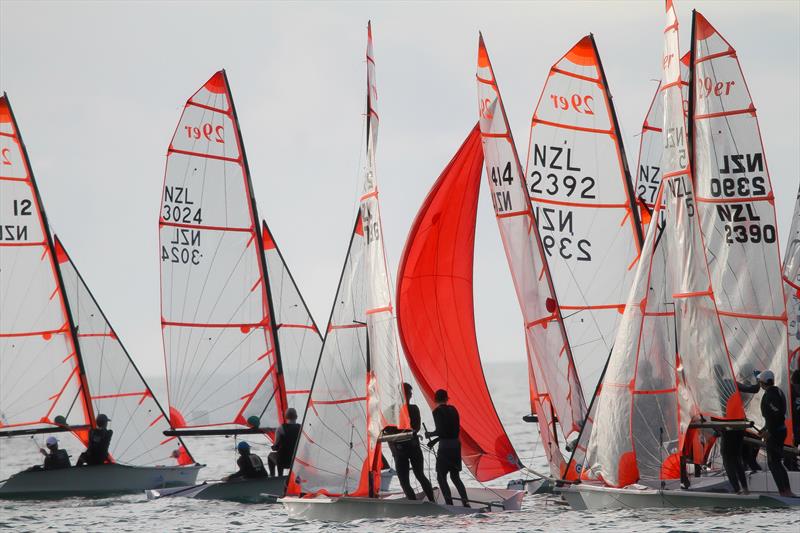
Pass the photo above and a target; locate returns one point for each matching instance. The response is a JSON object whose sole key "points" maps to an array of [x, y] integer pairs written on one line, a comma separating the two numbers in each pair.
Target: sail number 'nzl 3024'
{"points": [[179, 208], [183, 247]]}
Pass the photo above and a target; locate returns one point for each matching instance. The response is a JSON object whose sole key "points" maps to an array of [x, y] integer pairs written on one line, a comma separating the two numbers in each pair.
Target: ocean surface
{"points": [[508, 383]]}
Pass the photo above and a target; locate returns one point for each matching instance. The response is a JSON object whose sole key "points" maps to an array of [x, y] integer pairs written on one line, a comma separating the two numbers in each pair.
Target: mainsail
{"points": [[669, 365], [651, 149], [545, 335], [222, 353], [736, 205], [435, 310], [583, 201], [41, 373], [357, 388], [116, 387]]}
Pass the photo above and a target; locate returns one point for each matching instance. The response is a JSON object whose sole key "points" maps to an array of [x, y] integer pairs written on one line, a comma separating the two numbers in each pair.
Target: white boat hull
{"points": [[101, 480], [262, 490], [346, 508], [589, 497]]}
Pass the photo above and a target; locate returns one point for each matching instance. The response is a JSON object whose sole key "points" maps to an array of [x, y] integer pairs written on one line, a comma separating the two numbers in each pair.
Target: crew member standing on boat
{"points": [[773, 409], [408, 454], [732, 446], [250, 465], [99, 440], [448, 458], [54, 457], [285, 442]]}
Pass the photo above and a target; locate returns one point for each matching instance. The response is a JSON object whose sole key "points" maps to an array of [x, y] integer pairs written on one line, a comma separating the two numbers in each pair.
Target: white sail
{"points": [[736, 206], [658, 378], [583, 200], [41, 375], [298, 335], [116, 387], [223, 361], [791, 284], [357, 390]]}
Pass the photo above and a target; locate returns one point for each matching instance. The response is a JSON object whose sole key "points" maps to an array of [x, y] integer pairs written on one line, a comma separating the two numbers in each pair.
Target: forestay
{"points": [[651, 148], [435, 311], [116, 387], [659, 379], [545, 335], [298, 335], [357, 389], [791, 284], [737, 210], [583, 201], [222, 357], [41, 375]]}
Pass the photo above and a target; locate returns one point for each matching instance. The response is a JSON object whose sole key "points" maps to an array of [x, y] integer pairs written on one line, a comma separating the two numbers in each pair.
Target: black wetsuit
{"points": [[408, 456], [732, 448], [250, 467], [283, 449], [773, 409], [56, 459], [97, 450], [448, 457]]}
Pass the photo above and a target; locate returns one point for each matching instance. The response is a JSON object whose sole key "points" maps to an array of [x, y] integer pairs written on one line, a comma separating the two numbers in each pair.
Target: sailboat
{"points": [[555, 389], [583, 200], [61, 363], [357, 389], [239, 341], [658, 386]]}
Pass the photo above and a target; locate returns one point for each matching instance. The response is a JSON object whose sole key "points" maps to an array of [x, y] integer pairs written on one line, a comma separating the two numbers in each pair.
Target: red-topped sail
{"points": [[435, 312], [545, 334], [222, 355], [41, 374]]}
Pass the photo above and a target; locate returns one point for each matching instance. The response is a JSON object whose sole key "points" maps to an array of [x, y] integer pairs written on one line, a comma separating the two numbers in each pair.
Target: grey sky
{"points": [[98, 88]]}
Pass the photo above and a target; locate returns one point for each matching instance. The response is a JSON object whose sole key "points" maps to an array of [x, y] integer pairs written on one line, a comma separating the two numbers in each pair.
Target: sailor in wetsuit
{"points": [[250, 465], [54, 457], [285, 442], [99, 440], [408, 453], [773, 409], [448, 458]]}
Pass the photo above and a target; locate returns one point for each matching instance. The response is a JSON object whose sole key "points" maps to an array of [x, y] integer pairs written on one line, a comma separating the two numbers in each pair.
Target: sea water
{"points": [[508, 383]]}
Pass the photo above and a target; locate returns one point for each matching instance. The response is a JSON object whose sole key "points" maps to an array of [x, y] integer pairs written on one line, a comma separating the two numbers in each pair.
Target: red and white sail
{"points": [[41, 376], [791, 286], [298, 335], [583, 201], [116, 387], [651, 148], [357, 390], [435, 311], [545, 335], [222, 355], [737, 210], [669, 364]]}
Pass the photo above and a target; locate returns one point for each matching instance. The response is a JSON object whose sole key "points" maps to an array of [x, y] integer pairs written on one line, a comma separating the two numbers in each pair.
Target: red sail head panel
{"points": [[435, 311]]}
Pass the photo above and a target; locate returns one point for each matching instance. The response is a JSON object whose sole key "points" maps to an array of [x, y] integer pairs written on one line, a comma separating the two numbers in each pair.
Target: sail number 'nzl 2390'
{"points": [[556, 175], [183, 245], [17, 232]]}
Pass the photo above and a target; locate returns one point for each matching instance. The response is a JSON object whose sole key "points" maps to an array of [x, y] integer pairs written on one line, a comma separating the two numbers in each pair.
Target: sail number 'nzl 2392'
{"points": [[184, 245], [17, 232], [556, 175]]}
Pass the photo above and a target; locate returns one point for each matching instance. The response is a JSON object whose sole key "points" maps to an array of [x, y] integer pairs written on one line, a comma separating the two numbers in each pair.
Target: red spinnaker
{"points": [[435, 312]]}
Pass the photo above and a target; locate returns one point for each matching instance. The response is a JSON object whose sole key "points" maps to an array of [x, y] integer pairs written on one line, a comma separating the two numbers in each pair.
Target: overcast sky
{"points": [[98, 88]]}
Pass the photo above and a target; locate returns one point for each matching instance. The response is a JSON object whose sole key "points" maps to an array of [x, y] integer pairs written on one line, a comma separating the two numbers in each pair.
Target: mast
{"points": [[73, 332], [690, 117], [621, 148]]}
